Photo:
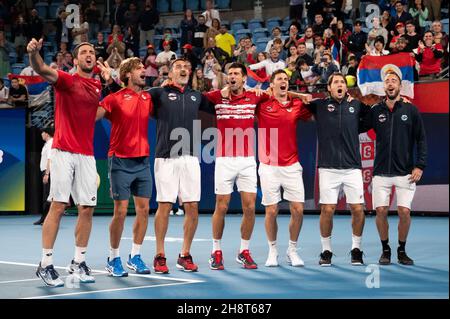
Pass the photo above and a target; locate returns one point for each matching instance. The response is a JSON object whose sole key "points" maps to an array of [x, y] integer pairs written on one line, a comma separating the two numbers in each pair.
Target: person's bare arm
{"points": [[100, 113], [38, 65]]}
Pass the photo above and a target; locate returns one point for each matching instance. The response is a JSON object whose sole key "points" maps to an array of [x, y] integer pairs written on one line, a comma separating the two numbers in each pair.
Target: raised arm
{"points": [[38, 65]]}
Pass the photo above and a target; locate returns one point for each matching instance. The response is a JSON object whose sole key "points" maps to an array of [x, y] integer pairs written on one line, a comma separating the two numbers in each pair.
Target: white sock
{"points": [[326, 243], [135, 250], [47, 257], [356, 242], [80, 254], [244, 244], [216, 245], [113, 253], [272, 246], [292, 245]]}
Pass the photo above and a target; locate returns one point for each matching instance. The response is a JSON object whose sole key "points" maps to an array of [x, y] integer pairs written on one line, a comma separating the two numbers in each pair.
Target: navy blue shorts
{"points": [[130, 176]]}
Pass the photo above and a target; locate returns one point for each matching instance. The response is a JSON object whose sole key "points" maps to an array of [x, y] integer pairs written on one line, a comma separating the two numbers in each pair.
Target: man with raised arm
{"points": [[73, 163], [129, 164]]}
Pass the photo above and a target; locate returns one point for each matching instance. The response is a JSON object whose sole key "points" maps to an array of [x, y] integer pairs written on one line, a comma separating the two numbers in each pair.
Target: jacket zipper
{"points": [[340, 133], [391, 118]]}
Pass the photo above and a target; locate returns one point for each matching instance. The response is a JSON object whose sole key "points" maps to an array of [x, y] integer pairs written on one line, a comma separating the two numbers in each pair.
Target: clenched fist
{"points": [[34, 46]]}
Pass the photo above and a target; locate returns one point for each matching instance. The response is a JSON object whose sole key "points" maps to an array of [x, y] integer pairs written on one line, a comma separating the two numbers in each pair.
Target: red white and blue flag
{"points": [[254, 81], [370, 73], [38, 93]]}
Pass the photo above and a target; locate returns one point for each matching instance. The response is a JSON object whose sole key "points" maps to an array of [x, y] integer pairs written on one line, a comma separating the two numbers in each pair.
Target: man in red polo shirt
{"points": [[235, 161], [279, 163], [73, 169], [129, 163]]}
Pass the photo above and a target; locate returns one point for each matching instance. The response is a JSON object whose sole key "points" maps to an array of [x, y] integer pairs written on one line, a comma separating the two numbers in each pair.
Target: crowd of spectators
{"points": [[319, 41]]}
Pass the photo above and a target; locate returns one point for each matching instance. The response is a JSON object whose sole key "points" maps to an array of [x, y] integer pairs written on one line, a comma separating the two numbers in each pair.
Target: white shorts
{"points": [[73, 174], [382, 187], [274, 177], [331, 181], [177, 177], [239, 170]]}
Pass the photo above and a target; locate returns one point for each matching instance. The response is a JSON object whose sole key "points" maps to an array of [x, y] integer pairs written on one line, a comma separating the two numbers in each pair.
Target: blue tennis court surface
{"points": [[428, 245]]}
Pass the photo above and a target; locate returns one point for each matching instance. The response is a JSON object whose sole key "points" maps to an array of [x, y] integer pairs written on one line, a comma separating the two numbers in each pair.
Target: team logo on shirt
{"points": [[382, 118], [351, 109], [193, 98], [247, 100], [143, 97], [269, 108], [97, 90], [331, 107], [404, 117], [127, 97], [172, 96]]}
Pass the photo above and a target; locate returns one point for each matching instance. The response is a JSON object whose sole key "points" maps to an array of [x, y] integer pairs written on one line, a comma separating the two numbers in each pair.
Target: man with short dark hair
{"points": [[199, 35], [357, 40], [177, 169], [302, 54], [18, 94], [148, 19], [73, 164], [280, 165], [44, 165], [400, 129], [339, 122], [318, 26], [400, 14]]}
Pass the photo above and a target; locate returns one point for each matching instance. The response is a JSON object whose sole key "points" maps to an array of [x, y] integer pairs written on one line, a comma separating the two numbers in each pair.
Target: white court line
{"points": [[182, 280], [110, 290]]}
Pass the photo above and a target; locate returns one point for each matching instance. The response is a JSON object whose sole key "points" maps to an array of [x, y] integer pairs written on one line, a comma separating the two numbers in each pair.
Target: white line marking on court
{"points": [[167, 239], [108, 290], [192, 281]]}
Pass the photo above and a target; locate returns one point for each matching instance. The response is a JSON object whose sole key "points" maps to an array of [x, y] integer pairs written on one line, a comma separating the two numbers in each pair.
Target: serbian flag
{"points": [[38, 88], [371, 68], [254, 81]]}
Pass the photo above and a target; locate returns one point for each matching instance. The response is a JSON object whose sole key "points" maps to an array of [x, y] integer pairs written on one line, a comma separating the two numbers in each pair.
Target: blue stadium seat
{"points": [[142, 52], [157, 40], [162, 6], [48, 57], [192, 4], [175, 28], [260, 33], [445, 25], [41, 8], [287, 22], [176, 5], [255, 24], [26, 59], [12, 57], [428, 25], [226, 23], [52, 9], [272, 23], [222, 4], [261, 44], [47, 47], [242, 33], [202, 4], [238, 24], [16, 68], [159, 29]]}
